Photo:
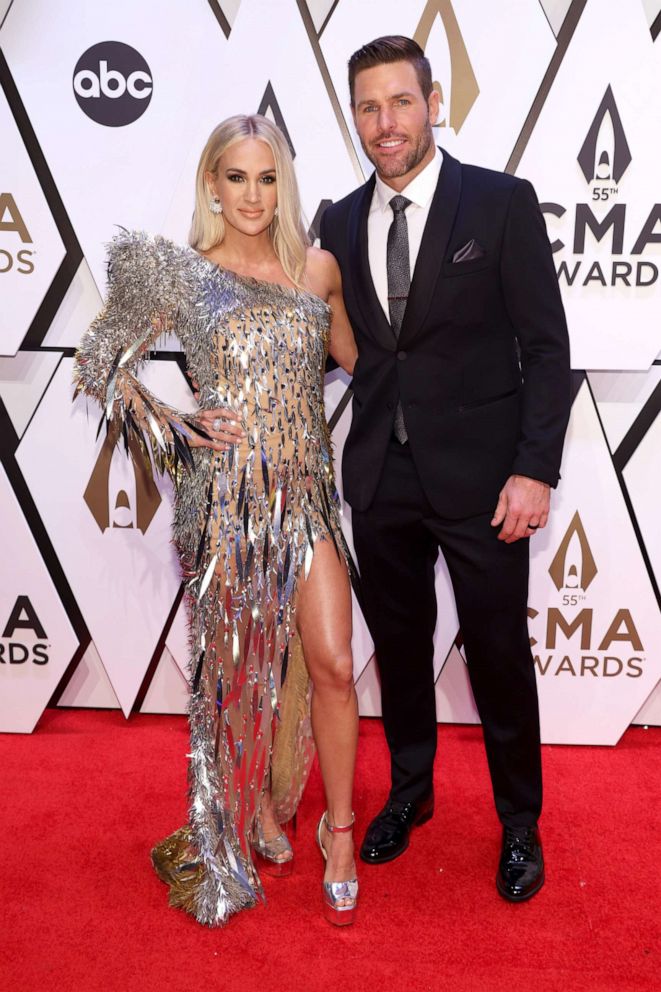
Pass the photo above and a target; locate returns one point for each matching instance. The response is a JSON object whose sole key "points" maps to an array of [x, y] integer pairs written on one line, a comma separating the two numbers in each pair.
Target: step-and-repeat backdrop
{"points": [[103, 112]]}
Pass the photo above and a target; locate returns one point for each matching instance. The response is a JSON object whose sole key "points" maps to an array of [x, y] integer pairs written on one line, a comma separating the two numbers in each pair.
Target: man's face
{"points": [[394, 120]]}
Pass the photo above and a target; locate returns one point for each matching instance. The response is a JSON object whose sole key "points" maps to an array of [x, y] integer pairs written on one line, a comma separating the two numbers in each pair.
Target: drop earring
{"points": [[215, 206]]}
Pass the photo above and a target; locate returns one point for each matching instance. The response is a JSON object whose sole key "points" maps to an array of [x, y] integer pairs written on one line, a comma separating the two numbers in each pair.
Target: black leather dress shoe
{"points": [[521, 867], [388, 834]]}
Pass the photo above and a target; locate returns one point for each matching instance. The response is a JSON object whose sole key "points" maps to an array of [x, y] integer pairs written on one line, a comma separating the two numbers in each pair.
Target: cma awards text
{"points": [[13, 651], [11, 221], [598, 664]]}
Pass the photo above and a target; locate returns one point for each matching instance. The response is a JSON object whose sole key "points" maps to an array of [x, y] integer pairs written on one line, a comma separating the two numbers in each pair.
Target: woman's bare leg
{"points": [[324, 621]]}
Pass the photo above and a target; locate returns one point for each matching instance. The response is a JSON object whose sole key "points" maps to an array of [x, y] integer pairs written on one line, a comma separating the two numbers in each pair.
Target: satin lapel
{"points": [[363, 286], [432, 247]]}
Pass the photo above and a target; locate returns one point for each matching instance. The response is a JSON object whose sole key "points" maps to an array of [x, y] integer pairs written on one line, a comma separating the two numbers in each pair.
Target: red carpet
{"points": [[86, 796]]}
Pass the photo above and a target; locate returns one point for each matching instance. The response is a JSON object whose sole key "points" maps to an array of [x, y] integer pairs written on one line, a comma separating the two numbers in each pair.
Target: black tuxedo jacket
{"points": [[481, 366]]}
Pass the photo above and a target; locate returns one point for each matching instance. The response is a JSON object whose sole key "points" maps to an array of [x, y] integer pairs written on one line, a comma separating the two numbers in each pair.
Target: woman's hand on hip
{"points": [[223, 427]]}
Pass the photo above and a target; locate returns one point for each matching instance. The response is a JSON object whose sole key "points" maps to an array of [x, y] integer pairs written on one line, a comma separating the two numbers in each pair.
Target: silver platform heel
{"points": [[274, 857], [333, 892]]}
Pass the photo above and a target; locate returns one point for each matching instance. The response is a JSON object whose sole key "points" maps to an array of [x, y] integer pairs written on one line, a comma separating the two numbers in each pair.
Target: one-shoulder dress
{"points": [[245, 526]]}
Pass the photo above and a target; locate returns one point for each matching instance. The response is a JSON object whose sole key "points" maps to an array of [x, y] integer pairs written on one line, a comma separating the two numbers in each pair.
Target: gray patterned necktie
{"points": [[399, 283]]}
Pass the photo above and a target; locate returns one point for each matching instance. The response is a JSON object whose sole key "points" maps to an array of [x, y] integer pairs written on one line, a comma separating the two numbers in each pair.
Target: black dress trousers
{"points": [[397, 541]]}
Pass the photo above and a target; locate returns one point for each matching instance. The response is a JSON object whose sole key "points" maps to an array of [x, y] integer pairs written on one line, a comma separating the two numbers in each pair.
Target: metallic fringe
{"points": [[245, 526]]}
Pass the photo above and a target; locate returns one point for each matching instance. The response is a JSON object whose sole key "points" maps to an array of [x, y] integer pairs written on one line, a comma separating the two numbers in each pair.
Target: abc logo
{"points": [[112, 84]]}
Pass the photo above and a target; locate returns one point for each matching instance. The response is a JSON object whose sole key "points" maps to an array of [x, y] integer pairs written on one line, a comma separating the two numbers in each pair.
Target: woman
{"points": [[256, 520]]}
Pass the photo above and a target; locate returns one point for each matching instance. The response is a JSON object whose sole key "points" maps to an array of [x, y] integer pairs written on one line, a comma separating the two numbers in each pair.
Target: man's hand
{"points": [[523, 508]]}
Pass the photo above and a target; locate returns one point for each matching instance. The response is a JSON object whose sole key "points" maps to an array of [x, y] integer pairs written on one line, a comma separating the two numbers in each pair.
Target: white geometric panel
{"points": [[23, 380], [593, 617], [556, 11], [230, 9], [37, 641], [652, 9], [109, 526], [620, 397], [593, 157], [641, 475], [447, 623], [31, 248], [650, 712], [468, 45], [271, 81], [319, 11], [177, 641], [80, 305], [454, 696], [123, 174], [168, 689], [336, 386], [368, 689], [362, 645], [89, 685]]}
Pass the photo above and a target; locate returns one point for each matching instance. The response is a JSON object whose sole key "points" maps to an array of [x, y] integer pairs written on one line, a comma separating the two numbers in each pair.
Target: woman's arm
{"points": [[145, 300], [324, 274]]}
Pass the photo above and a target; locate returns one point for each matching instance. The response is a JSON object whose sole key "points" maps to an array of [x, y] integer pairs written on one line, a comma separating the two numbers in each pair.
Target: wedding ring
{"points": [[533, 526], [217, 424]]}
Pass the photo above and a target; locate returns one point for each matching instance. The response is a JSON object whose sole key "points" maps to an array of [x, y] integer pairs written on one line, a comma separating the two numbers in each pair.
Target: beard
{"points": [[394, 166]]}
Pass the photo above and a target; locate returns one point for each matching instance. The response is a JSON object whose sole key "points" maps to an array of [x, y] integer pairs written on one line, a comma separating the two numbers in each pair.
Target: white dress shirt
{"points": [[420, 191]]}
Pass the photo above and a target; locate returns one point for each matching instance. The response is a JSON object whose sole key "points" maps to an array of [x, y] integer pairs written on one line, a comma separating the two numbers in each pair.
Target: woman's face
{"points": [[244, 182]]}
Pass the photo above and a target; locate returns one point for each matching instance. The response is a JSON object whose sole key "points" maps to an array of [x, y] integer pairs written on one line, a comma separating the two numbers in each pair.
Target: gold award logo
{"points": [[573, 566], [114, 510], [605, 155], [602, 249], [580, 626], [461, 89]]}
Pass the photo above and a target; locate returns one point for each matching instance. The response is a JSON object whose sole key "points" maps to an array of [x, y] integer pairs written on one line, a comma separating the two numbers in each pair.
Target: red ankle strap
{"points": [[339, 829]]}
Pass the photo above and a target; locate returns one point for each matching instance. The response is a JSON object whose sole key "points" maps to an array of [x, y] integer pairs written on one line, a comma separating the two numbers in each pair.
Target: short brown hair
{"points": [[391, 48]]}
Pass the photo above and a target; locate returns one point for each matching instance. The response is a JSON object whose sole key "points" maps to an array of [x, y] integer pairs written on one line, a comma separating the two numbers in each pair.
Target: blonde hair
{"points": [[287, 232]]}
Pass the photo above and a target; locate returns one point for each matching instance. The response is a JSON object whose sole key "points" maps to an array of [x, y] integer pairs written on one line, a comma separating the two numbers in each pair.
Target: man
{"points": [[461, 402]]}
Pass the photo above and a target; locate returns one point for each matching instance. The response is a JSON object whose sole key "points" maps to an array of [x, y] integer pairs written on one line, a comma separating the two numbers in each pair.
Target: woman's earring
{"points": [[275, 212], [215, 206]]}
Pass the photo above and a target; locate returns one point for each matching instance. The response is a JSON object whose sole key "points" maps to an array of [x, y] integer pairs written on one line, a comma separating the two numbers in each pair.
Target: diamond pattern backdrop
{"points": [[91, 604]]}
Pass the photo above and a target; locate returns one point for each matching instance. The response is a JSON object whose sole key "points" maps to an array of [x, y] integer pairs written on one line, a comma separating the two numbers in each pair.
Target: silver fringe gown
{"points": [[245, 526]]}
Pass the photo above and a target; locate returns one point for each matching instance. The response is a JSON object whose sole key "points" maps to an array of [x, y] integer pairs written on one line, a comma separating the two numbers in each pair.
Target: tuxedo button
{"points": [[401, 355]]}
